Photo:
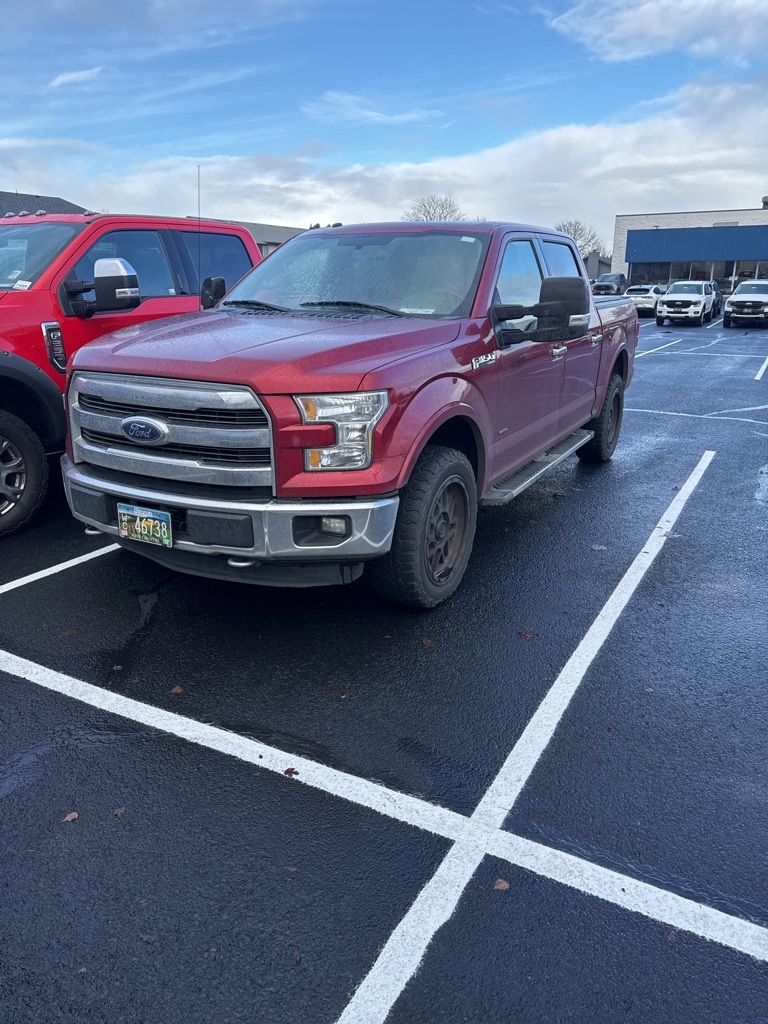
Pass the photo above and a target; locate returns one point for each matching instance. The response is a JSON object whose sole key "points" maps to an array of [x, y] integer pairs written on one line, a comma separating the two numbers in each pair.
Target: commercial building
{"points": [[728, 246]]}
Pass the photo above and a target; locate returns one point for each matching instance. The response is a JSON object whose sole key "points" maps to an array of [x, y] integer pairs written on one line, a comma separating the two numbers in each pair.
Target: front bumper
{"points": [[208, 532], [748, 318], [681, 314]]}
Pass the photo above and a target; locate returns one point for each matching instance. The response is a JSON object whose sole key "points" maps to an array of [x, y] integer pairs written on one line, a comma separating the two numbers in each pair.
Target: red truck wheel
{"points": [[607, 425], [434, 532], [23, 473]]}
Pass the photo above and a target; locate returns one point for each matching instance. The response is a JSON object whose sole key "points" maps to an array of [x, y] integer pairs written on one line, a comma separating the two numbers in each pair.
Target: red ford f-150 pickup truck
{"points": [[49, 309], [348, 405]]}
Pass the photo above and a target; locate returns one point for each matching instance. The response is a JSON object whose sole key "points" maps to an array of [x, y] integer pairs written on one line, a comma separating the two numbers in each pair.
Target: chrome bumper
{"points": [[371, 522]]}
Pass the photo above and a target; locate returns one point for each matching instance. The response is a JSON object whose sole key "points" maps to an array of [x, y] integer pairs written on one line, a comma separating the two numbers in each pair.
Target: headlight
{"points": [[354, 416], [728, 306]]}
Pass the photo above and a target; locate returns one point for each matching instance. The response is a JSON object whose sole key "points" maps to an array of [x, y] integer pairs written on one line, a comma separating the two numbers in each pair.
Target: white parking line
{"points": [[639, 355], [473, 837], [407, 945], [762, 370], [715, 323], [712, 417], [57, 568]]}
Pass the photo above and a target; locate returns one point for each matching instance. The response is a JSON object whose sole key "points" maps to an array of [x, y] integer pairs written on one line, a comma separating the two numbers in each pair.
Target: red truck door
{"points": [[164, 292], [582, 358], [530, 374]]}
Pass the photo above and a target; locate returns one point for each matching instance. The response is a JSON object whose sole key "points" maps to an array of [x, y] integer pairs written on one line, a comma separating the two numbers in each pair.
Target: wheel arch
{"points": [[30, 394]]}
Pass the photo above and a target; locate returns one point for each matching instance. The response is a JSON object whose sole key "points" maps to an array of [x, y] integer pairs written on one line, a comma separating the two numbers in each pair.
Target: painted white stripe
{"points": [[762, 370], [716, 323], [379, 798], [516, 770], [401, 956], [699, 416], [715, 355], [639, 355], [57, 568], [632, 894]]}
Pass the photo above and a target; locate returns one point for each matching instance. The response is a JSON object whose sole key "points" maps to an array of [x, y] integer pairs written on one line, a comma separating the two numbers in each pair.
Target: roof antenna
{"points": [[199, 282]]}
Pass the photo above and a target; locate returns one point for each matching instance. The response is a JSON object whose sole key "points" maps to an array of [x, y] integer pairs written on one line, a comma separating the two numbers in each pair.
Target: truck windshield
{"points": [[26, 250], [432, 273], [753, 288], [686, 288]]}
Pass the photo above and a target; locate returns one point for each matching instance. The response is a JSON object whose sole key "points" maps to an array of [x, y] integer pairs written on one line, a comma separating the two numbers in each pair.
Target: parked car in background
{"points": [[686, 300], [645, 297], [55, 296], [748, 304], [717, 298], [348, 405], [610, 284]]}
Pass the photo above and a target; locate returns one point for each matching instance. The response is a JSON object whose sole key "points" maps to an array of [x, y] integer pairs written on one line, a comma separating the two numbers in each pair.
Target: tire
{"points": [[699, 321], [726, 321], [433, 534], [660, 321], [23, 473], [709, 317], [607, 425]]}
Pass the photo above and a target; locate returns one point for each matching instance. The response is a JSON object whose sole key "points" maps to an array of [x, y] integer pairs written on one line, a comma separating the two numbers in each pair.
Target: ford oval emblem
{"points": [[142, 430]]}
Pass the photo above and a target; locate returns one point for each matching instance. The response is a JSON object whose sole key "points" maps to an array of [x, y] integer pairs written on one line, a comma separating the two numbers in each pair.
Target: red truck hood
{"points": [[274, 354]]}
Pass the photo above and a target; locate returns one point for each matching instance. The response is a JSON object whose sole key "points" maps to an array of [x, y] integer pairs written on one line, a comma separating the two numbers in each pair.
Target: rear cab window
{"points": [[214, 254], [145, 252]]}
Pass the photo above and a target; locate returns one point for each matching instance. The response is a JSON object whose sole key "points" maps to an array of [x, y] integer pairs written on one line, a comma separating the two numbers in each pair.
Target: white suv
{"points": [[748, 304], [645, 297], [686, 300]]}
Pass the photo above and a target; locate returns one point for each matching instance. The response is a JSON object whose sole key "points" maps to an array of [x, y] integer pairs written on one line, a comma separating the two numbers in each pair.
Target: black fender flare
{"points": [[39, 393]]}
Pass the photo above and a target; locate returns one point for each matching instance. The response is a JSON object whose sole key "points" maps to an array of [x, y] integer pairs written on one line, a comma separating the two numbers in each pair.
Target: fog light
{"points": [[335, 525]]}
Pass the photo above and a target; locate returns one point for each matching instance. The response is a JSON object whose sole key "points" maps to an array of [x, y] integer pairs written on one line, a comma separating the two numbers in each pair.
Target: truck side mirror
{"points": [[563, 309], [116, 285], [506, 336], [212, 292]]}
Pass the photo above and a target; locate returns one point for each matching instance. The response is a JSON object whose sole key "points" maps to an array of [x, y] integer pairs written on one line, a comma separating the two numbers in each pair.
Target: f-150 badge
{"points": [[486, 360]]}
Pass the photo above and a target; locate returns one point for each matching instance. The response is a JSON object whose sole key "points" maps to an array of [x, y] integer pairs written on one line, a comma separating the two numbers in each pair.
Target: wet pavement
{"points": [[199, 886]]}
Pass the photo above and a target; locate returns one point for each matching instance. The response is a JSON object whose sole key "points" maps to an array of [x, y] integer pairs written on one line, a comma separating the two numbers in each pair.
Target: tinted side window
{"points": [[560, 259], [519, 280], [216, 255], [145, 252]]}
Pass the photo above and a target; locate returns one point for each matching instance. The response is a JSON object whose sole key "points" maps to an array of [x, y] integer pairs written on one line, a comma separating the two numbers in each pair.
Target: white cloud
{"points": [[346, 108], [678, 157], [622, 30], [73, 77]]}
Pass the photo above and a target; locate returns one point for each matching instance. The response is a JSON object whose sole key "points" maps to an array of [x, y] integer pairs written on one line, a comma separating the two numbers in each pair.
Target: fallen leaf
{"points": [[338, 691], [70, 632], [387, 636], [117, 668], [176, 690], [148, 938], [290, 772], [649, 689], [427, 642], [501, 885], [71, 816], [289, 868], [599, 547], [526, 635], [672, 937], [118, 812]]}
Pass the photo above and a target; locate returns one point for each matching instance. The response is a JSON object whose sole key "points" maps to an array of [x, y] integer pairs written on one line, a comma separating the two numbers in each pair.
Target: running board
{"points": [[508, 488]]}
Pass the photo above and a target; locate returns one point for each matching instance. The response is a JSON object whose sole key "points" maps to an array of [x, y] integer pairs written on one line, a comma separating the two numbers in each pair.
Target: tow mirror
{"points": [[563, 310], [116, 285], [212, 292]]}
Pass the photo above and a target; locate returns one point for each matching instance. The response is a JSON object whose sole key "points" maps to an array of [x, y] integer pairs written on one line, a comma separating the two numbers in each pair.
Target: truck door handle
{"points": [[559, 351], [596, 339]]}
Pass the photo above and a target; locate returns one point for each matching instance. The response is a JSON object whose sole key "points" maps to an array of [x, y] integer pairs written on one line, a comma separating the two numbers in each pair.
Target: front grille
{"points": [[681, 304], [747, 307], [218, 435], [232, 418], [208, 453]]}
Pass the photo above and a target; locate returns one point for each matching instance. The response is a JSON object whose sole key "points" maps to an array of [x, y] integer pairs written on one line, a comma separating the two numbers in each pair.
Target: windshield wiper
{"points": [[351, 305], [256, 304]]}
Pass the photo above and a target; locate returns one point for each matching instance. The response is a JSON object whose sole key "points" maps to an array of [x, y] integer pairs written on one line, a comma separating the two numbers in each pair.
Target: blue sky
{"points": [[320, 110]]}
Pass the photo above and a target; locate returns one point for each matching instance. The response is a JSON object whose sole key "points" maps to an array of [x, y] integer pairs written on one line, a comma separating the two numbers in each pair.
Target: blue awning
{"points": [[681, 245]]}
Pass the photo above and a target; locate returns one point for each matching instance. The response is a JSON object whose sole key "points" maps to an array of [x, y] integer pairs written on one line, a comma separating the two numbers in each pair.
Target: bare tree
{"points": [[434, 208], [586, 237]]}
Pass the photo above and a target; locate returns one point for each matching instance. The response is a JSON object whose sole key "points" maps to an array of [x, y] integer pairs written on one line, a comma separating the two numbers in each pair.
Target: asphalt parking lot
{"points": [[545, 801]]}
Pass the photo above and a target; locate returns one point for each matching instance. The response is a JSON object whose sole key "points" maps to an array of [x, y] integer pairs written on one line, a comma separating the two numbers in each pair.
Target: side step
{"points": [[508, 488]]}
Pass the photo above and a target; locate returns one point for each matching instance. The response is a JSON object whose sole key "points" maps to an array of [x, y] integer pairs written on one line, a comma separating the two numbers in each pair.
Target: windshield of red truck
{"points": [[428, 274], [26, 250]]}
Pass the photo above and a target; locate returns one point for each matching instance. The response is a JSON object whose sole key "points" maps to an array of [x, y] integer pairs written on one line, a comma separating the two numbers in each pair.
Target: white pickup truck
{"points": [[686, 300], [748, 304]]}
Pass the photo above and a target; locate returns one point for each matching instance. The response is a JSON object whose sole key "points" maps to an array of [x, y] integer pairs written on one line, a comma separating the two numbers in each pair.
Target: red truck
{"points": [[49, 309], [350, 403]]}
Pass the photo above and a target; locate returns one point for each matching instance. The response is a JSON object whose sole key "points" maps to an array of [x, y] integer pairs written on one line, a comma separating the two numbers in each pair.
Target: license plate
{"points": [[149, 525]]}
